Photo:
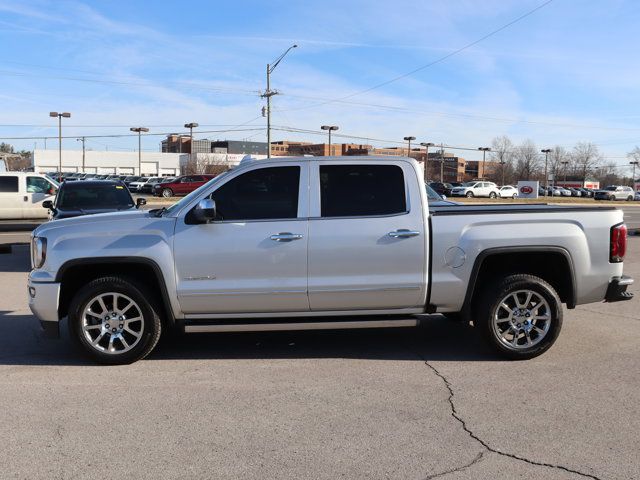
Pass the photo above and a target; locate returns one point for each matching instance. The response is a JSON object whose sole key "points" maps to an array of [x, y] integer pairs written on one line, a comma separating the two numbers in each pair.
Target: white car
{"points": [[476, 189], [508, 191], [137, 185]]}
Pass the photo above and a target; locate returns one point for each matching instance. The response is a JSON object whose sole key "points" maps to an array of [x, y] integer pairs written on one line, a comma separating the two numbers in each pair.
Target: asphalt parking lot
{"points": [[421, 403]]}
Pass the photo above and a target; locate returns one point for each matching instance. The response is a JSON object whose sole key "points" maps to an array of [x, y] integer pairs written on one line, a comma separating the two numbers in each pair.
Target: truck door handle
{"points": [[26, 199], [403, 233], [285, 237]]}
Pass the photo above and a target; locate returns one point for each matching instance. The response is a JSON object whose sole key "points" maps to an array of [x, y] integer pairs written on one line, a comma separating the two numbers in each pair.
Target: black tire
{"points": [[469, 195], [612, 198], [514, 196], [150, 327], [629, 198], [167, 193], [492, 195], [489, 302]]}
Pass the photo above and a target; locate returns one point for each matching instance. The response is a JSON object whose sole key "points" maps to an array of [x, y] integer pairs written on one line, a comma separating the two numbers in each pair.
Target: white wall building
{"points": [[123, 163], [227, 159]]}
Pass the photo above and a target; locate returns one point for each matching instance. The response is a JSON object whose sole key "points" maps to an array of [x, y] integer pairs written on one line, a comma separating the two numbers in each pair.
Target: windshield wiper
{"points": [[157, 212]]}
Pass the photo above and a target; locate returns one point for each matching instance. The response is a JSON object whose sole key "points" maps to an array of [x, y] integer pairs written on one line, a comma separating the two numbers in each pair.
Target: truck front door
{"points": [[367, 238], [254, 258]]}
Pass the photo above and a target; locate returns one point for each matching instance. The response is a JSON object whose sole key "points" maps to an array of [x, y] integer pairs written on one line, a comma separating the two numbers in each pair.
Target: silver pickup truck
{"points": [[322, 243]]}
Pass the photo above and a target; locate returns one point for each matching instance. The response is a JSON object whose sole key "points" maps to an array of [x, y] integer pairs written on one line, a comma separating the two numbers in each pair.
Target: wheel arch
{"points": [[75, 273], [553, 264]]}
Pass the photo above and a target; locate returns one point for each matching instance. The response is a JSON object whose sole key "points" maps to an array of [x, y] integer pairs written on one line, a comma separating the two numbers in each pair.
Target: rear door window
{"points": [[361, 190], [8, 184]]}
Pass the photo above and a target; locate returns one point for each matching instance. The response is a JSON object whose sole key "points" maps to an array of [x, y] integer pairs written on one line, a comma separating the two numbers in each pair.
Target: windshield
{"points": [[198, 191], [94, 196], [469, 184], [610, 188]]}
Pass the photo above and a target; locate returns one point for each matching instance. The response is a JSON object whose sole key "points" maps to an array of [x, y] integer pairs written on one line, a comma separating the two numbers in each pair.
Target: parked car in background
{"points": [[574, 192], [637, 196], [560, 191], [75, 199], [437, 200], [615, 192], [586, 192], [135, 185], [147, 187], [22, 194], [441, 188], [476, 189], [508, 191], [182, 185], [130, 178]]}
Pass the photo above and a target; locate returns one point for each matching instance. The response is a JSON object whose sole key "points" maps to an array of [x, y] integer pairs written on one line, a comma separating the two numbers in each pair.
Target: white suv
{"points": [[476, 189]]}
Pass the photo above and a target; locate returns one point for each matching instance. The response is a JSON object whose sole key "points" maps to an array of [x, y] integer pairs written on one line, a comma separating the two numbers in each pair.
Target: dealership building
{"points": [[123, 163]]}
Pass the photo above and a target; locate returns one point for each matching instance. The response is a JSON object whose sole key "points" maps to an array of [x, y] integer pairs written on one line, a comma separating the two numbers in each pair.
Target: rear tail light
{"points": [[618, 243]]}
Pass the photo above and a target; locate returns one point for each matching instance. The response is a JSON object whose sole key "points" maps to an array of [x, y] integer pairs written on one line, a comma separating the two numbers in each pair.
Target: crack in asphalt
{"points": [[457, 469], [456, 415]]}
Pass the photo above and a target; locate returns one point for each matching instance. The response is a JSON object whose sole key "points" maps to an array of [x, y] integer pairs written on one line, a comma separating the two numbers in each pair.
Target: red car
{"points": [[180, 186]]}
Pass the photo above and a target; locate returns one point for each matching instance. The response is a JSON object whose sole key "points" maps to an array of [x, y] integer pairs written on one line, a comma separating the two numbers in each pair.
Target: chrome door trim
{"points": [[369, 289], [328, 325], [272, 292]]}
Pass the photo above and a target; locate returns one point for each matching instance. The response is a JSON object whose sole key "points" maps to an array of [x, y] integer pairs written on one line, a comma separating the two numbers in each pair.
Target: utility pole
{"points": [[564, 166], [484, 153], [408, 139], [426, 146], [270, 93], [502, 164], [139, 130], [60, 115], [546, 152], [191, 126], [329, 128], [82, 139], [633, 175], [441, 163]]}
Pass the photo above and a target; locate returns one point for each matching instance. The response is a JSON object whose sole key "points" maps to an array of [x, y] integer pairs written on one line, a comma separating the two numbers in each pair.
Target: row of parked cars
{"points": [[491, 190]]}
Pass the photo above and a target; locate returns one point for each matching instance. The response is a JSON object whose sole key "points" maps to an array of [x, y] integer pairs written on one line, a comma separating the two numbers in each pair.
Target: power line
{"points": [[126, 135], [438, 60]]}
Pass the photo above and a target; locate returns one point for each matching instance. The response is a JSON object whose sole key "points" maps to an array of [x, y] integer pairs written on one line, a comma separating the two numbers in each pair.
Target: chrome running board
{"points": [[284, 326]]}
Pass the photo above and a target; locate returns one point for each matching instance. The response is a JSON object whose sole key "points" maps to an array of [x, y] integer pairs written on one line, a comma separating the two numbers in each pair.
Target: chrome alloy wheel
{"points": [[522, 319], [112, 323]]}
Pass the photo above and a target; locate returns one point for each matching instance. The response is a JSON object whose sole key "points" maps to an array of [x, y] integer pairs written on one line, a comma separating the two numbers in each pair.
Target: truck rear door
{"points": [[367, 238]]}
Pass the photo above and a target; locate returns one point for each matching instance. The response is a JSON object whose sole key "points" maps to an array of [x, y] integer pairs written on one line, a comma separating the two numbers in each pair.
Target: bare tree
{"points": [[527, 160], [634, 155], [557, 156], [586, 157], [502, 153], [206, 163]]}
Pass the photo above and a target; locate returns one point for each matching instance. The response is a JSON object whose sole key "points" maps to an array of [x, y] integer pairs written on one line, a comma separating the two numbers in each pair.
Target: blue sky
{"points": [[567, 73]]}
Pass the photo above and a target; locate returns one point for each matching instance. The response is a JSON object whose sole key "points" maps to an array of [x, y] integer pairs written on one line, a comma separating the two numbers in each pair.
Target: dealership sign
{"points": [[527, 189]]}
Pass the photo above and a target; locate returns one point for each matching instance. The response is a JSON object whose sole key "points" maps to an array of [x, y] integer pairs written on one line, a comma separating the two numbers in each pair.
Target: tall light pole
{"points": [[484, 151], [60, 115], [139, 130], [408, 139], [268, 93], [633, 175], [546, 152], [330, 128], [441, 163], [426, 146], [564, 166], [502, 164], [190, 126], [82, 139]]}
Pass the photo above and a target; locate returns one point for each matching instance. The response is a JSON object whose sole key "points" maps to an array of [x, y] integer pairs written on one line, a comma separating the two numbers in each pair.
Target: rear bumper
{"points": [[617, 290], [43, 302]]}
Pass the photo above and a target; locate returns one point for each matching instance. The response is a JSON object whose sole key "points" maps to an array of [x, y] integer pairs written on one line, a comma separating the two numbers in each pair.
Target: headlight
{"points": [[38, 251]]}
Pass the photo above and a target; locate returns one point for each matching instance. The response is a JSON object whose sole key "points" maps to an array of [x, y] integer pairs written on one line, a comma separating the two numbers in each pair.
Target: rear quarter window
{"points": [[8, 184]]}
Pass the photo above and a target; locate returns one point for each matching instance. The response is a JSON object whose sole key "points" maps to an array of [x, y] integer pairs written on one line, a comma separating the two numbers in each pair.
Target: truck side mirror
{"points": [[205, 211], [48, 204]]}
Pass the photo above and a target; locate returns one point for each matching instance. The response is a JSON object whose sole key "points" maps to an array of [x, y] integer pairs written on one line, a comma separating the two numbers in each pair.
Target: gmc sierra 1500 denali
{"points": [[322, 243]]}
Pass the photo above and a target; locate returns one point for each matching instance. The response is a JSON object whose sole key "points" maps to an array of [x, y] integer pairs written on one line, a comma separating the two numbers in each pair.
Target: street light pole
{"points": [[190, 126], [330, 128], [502, 164], [408, 139], [546, 152], [426, 146], [441, 163], [60, 115], [484, 153], [82, 139], [269, 93], [139, 130]]}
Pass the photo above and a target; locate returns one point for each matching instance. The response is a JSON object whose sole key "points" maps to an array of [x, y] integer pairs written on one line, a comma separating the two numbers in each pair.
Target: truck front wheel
{"points": [[520, 316], [114, 321]]}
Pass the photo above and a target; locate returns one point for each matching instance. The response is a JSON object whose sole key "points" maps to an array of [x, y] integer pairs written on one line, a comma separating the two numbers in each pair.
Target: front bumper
{"points": [[43, 302], [617, 290]]}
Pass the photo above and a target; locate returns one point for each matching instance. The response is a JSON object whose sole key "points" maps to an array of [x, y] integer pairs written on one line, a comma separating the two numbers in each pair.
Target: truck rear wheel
{"points": [[114, 321], [520, 316]]}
